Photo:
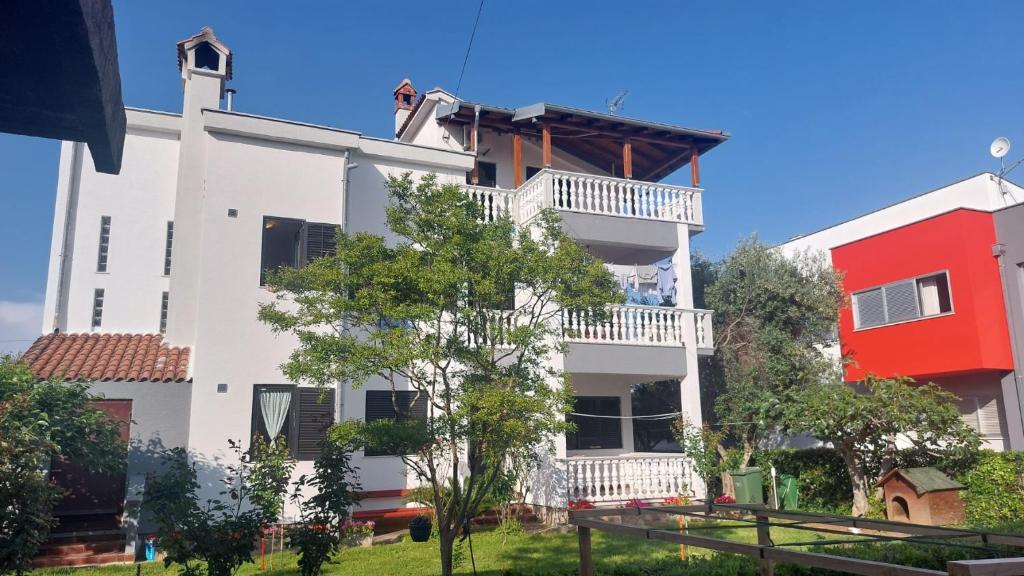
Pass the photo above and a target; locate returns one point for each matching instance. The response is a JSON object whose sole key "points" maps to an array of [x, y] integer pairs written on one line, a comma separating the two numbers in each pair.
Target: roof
{"points": [[108, 357], [658, 149], [204, 35], [924, 480]]}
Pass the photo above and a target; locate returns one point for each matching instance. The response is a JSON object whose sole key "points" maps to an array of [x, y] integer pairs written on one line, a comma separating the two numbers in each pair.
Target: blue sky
{"points": [[835, 108]]}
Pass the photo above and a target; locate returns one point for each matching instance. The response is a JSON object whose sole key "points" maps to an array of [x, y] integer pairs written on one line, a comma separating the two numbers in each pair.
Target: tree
{"points": [[873, 423], [40, 420], [773, 313], [461, 311], [703, 446]]}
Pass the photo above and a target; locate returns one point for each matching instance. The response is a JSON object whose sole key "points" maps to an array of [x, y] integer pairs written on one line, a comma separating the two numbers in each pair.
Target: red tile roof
{"points": [[108, 357]]}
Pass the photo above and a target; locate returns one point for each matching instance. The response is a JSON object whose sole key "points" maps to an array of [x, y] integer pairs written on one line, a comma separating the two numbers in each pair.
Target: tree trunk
{"points": [[858, 479], [446, 537]]}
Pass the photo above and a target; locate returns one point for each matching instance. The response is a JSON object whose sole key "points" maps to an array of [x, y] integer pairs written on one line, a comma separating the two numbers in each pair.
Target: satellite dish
{"points": [[1000, 146]]}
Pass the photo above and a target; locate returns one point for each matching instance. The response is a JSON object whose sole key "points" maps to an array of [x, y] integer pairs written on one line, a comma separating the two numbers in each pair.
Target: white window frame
{"points": [[914, 279]]}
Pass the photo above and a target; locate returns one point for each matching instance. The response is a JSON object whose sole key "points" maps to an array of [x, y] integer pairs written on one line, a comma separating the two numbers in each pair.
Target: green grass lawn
{"points": [[532, 554]]}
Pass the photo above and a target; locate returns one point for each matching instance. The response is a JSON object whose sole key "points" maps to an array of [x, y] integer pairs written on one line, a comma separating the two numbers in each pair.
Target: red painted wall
{"points": [[974, 338]]}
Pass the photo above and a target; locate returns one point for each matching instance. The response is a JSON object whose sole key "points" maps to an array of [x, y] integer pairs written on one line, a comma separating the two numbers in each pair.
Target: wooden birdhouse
{"points": [[922, 496]]}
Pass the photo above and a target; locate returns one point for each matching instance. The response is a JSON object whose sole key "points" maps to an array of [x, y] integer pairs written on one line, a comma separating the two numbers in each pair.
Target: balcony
{"points": [[619, 479], [601, 211]]}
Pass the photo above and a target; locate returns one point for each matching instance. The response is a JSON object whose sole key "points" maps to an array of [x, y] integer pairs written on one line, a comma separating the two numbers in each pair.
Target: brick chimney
{"points": [[405, 99]]}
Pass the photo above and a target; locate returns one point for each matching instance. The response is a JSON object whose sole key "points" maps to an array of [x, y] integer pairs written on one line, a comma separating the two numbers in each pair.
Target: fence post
{"points": [[764, 538], [586, 559]]}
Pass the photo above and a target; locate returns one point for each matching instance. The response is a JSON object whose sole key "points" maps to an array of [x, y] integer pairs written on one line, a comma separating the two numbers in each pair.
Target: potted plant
{"points": [[419, 528], [357, 534]]}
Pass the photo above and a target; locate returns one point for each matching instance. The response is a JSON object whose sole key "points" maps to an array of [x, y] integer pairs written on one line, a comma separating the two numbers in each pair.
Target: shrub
{"points": [[994, 496], [725, 499], [824, 484]]}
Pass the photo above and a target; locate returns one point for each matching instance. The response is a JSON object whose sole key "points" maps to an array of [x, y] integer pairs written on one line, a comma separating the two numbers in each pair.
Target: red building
{"points": [[926, 299]]}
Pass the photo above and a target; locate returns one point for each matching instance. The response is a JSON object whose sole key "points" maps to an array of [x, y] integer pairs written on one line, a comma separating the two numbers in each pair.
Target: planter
{"points": [[419, 528], [359, 540]]}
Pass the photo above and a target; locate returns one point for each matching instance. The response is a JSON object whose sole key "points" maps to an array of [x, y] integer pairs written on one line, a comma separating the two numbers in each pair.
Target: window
{"points": [[982, 414], [531, 171], [382, 404], [649, 399], [595, 431], [294, 243], [301, 415], [104, 251], [902, 301], [487, 174], [163, 312], [97, 308], [167, 248]]}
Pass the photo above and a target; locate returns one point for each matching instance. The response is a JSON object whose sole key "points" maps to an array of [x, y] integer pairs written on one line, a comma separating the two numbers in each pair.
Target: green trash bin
{"points": [[747, 482], [789, 495]]}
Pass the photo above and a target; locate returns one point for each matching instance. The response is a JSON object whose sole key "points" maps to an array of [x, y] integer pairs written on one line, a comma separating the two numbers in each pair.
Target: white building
{"points": [[206, 199]]}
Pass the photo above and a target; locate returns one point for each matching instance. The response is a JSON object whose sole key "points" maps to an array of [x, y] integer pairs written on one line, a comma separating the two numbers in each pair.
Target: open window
{"points": [[910, 299], [300, 415], [292, 243], [601, 428]]}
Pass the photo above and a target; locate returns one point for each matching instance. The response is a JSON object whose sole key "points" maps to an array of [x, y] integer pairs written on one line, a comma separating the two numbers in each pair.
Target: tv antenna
{"points": [[617, 103]]}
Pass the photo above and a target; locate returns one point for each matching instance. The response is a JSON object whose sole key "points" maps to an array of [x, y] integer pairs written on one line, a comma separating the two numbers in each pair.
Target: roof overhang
{"points": [[657, 149], [60, 78]]}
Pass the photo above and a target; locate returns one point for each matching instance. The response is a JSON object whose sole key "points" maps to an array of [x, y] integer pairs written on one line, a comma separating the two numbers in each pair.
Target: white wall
{"points": [[140, 202]]}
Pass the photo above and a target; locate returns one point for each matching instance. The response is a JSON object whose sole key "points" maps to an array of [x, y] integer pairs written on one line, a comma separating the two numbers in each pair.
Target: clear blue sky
{"points": [[835, 108]]}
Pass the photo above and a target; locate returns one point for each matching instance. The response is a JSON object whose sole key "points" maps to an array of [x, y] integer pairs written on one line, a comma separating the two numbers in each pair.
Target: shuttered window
{"points": [[291, 243], [393, 405], [982, 414], [902, 301], [104, 247], [310, 414], [593, 432]]}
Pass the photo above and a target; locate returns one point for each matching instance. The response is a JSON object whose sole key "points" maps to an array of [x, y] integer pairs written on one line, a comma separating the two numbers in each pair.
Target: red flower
{"points": [[725, 499], [581, 504]]}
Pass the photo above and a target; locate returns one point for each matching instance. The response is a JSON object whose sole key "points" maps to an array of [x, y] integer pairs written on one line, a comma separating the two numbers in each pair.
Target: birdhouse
{"points": [[922, 496]]}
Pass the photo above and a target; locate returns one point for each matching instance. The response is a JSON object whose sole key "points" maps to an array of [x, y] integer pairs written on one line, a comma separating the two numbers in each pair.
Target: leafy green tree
{"points": [[773, 313], [40, 420], [270, 469], [464, 312], [874, 423], [703, 446]]}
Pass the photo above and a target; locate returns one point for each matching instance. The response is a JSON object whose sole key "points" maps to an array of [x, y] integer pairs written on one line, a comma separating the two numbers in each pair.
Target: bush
{"points": [[994, 496], [824, 482]]}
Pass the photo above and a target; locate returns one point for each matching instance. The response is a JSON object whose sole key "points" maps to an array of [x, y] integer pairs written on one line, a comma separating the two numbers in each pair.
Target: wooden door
{"points": [[93, 501]]}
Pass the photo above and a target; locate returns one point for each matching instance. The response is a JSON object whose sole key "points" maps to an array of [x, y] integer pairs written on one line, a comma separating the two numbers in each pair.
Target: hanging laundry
{"points": [[667, 281]]}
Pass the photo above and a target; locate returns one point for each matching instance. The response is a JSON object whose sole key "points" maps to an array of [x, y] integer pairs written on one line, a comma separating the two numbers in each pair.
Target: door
{"points": [[92, 501]]}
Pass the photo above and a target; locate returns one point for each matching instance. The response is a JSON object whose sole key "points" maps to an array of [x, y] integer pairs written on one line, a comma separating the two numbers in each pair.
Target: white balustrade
{"points": [[494, 202], [492, 330], [624, 324], [705, 332], [623, 478], [619, 197]]}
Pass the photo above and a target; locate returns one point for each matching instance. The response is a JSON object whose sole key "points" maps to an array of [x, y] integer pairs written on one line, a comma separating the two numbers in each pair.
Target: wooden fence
{"points": [[768, 553]]}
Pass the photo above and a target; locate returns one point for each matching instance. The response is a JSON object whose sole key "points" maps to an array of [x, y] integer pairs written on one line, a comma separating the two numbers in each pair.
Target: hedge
{"points": [[994, 496]]}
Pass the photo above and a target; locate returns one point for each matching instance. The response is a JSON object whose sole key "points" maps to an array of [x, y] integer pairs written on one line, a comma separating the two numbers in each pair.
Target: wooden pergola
{"points": [[1005, 558], [643, 150]]}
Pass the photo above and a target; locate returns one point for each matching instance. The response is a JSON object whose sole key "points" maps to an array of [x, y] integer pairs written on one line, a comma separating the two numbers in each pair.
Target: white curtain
{"points": [[274, 408], [928, 288]]}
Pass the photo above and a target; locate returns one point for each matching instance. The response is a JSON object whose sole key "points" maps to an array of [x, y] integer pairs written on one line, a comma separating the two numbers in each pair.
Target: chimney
{"points": [[205, 64], [405, 100]]}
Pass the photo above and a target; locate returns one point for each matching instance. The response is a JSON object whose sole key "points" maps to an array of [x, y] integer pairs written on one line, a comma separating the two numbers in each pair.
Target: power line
{"points": [[469, 47]]}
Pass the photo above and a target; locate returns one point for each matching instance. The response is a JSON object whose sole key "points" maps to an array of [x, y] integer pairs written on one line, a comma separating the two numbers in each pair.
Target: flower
{"points": [[676, 501], [581, 504], [636, 503], [725, 499], [355, 527]]}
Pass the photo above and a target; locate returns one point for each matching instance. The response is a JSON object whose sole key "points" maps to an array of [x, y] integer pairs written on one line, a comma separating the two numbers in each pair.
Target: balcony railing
{"points": [[637, 325], [590, 194], [623, 478]]}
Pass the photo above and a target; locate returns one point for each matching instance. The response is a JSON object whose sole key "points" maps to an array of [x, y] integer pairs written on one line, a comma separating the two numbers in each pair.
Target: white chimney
{"points": [[405, 101]]}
